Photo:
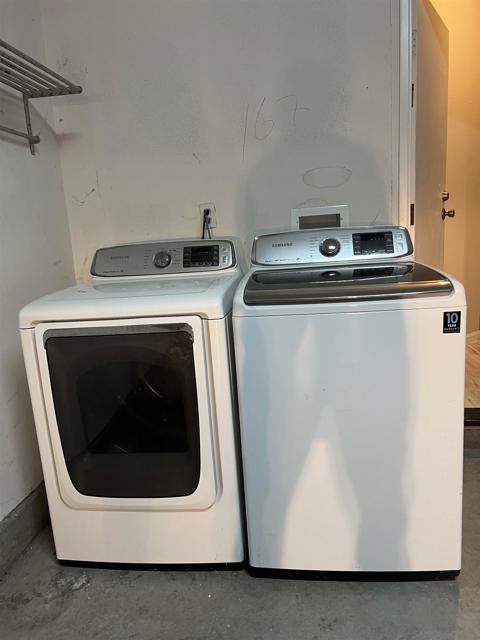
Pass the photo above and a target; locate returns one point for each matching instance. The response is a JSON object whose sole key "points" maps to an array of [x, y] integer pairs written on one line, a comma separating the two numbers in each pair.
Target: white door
{"points": [[431, 133]]}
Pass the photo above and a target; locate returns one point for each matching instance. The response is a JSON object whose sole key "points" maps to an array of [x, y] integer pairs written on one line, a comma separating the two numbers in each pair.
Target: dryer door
{"points": [[128, 409]]}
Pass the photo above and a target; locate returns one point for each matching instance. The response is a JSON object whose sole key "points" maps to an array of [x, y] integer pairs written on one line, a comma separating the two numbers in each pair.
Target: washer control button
{"points": [[330, 247], [162, 259]]}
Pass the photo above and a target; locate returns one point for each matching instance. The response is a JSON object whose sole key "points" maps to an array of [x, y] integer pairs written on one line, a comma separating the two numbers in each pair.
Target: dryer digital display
{"points": [[201, 256]]}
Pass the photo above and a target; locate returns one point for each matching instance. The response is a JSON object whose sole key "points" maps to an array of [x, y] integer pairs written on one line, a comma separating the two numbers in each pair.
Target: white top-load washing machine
{"points": [[135, 407], [350, 374]]}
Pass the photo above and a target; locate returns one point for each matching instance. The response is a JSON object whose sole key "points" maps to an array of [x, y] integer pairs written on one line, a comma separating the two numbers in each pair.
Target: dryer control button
{"points": [[162, 259], [330, 247]]}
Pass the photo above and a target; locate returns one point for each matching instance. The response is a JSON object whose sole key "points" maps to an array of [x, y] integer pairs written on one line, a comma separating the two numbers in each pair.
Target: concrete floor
{"points": [[40, 599]]}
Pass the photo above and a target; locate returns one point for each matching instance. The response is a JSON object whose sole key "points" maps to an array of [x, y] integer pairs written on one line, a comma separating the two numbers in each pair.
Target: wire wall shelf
{"points": [[33, 80]]}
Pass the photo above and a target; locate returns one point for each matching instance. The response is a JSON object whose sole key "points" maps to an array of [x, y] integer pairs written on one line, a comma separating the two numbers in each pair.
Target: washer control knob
{"points": [[330, 247], [162, 259]]}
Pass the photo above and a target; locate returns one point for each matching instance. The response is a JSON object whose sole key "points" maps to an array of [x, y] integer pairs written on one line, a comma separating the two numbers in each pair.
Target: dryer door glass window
{"points": [[126, 408]]}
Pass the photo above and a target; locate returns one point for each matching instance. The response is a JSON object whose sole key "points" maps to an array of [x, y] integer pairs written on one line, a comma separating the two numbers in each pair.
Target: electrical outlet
{"points": [[212, 216]]}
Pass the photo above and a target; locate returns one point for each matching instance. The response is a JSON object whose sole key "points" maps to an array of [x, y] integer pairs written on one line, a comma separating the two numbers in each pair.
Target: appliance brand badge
{"points": [[282, 244], [451, 321]]}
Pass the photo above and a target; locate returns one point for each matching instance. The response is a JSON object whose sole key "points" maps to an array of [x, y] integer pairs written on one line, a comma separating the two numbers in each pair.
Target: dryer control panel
{"points": [[158, 258], [339, 244]]}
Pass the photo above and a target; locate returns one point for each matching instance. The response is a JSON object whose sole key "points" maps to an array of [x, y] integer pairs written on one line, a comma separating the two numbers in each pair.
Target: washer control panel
{"points": [[339, 244], [157, 258]]}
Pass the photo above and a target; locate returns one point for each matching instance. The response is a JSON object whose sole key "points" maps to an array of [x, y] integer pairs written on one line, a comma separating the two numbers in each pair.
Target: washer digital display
{"points": [[372, 242]]}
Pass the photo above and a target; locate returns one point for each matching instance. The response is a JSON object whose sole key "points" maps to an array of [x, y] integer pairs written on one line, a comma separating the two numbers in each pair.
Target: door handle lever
{"points": [[448, 214]]}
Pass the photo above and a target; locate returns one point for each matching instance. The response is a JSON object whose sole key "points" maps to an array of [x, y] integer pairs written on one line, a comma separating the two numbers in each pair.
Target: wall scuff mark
{"points": [[324, 177], [85, 197]]}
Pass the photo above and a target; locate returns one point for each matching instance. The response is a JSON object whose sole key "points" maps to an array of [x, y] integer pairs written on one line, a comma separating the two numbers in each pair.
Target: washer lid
{"points": [[356, 283]]}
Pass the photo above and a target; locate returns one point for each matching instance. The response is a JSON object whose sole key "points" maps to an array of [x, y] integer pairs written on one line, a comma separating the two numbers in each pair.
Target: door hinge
{"points": [[412, 99], [412, 215]]}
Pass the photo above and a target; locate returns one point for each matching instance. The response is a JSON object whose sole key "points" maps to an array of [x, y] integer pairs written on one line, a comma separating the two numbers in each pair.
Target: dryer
{"points": [[134, 402], [350, 370]]}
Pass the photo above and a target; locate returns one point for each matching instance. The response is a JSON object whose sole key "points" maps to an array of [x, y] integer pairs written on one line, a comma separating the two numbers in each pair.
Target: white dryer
{"points": [[350, 372], [133, 396]]}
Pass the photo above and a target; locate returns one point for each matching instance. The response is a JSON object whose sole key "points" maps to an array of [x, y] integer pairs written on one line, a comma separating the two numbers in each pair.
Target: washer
{"points": [[350, 370], [133, 396]]}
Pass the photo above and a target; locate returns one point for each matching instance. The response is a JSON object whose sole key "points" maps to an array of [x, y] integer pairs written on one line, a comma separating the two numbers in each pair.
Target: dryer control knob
{"points": [[330, 247], [162, 259]]}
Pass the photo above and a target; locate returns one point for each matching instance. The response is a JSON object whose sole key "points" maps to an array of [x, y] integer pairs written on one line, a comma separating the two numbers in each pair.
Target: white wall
{"points": [[35, 255], [257, 106], [191, 101]]}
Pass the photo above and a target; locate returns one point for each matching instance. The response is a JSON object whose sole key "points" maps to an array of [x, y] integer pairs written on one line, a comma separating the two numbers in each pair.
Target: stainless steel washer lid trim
{"points": [[357, 283]]}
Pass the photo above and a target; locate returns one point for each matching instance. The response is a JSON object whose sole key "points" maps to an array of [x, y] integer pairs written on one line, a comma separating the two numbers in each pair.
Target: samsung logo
{"points": [[119, 257], [282, 244]]}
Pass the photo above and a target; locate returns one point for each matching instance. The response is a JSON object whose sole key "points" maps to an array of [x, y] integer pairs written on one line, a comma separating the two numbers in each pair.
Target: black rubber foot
{"points": [[354, 576]]}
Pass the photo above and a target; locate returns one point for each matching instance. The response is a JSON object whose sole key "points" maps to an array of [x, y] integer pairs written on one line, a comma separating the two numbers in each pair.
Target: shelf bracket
{"points": [[33, 80]]}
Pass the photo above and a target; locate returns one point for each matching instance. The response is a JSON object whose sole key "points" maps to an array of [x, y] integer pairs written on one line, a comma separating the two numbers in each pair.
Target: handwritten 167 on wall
{"points": [[260, 125]]}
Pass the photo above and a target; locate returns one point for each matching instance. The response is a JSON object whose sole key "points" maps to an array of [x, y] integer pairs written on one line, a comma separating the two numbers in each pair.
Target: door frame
{"points": [[407, 114]]}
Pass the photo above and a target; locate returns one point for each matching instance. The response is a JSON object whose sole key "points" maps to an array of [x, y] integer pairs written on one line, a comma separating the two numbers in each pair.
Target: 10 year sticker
{"points": [[451, 321]]}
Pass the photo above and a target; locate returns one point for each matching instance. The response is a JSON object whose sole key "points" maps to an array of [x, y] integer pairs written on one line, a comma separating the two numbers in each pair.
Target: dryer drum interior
{"points": [[127, 411]]}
